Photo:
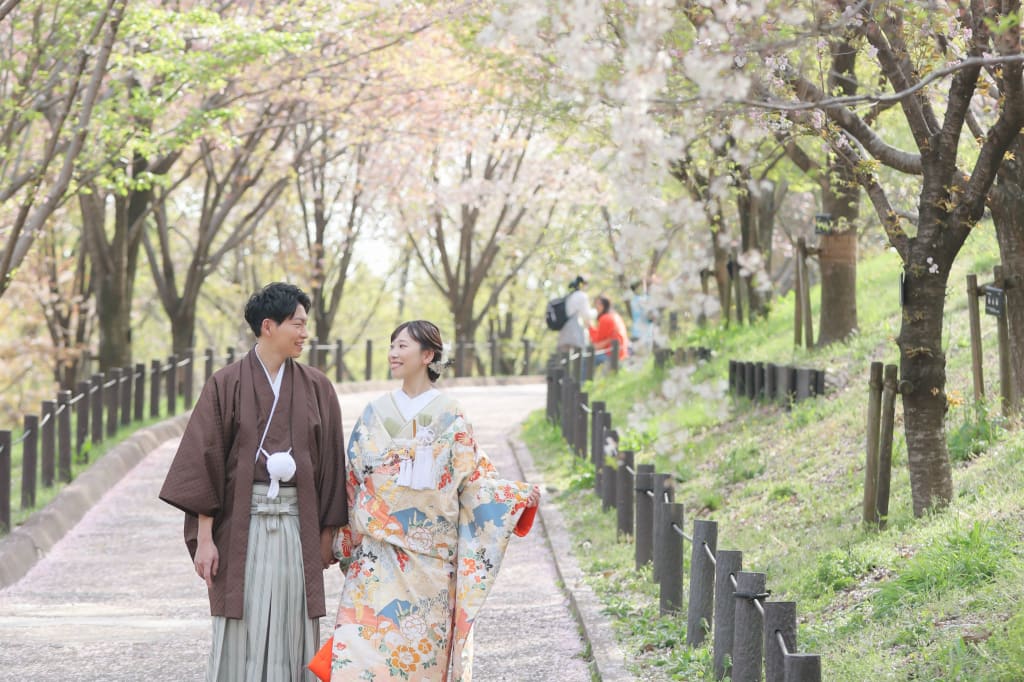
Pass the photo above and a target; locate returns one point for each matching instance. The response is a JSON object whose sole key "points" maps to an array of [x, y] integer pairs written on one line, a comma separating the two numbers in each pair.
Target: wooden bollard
{"points": [[29, 461], [803, 668], [588, 368], [670, 592], [189, 378], [597, 409], [608, 475], [582, 420], [783, 385], [613, 360], [527, 352], [81, 417], [770, 379], [113, 396], [125, 395], [140, 392], [207, 364], [339, 362], [230, 354], [644, 484], [728, 563], [758, 381], [64, 436], [779, 619], [5, 481], [870, 514], [369, 360], [732, 378], [172, 385], [49, 441], [748, 633], [154, 389], [97, 407], [975, 323], [748, 380], [664, 495], [886, 429], [624, 494], [700, 610]]}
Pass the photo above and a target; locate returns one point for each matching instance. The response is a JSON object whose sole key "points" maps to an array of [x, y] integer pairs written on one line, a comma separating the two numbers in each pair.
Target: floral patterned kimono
{"points": [[429, 524]]}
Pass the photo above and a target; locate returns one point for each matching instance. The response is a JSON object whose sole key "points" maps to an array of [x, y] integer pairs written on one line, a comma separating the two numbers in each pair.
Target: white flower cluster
{"points": [[442, 361]]}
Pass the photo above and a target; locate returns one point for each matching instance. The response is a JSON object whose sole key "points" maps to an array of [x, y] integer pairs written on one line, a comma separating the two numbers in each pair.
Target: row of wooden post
{"points": [[100, 406], [749, 633], [328, 356], [771, 383]]}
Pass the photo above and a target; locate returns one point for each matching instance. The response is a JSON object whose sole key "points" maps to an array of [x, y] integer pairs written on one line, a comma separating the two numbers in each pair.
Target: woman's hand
{"points": [[534, 499]]}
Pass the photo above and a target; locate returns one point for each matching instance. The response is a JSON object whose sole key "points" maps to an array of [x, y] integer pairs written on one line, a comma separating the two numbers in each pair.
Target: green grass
{"points": [[931, 598]]}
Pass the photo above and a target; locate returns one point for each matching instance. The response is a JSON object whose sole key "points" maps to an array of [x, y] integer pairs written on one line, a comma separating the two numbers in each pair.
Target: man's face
{"points": [[289, 337]]}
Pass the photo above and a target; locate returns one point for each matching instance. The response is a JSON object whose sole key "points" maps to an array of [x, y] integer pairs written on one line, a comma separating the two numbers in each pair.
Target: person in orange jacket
{"points": [[609, 327]]}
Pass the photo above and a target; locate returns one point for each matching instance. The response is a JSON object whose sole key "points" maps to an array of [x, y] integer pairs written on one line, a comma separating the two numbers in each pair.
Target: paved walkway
{"points": [[116, 598]]}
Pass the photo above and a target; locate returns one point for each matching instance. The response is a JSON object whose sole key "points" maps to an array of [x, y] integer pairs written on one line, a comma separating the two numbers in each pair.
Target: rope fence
{"points": [[752, 638]]}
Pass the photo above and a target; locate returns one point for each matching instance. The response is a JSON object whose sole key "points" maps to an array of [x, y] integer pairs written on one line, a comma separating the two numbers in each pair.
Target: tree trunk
{"points": [[1006, 202], [114, 266], [838, 260], [923, 383]]}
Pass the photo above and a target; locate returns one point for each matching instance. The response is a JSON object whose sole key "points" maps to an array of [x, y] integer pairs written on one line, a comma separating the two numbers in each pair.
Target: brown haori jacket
{"points": [[215, 466]]}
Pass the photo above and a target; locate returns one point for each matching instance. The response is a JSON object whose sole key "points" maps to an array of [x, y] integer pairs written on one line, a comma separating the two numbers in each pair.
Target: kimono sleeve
{"points": [[490, 509], [331, 487], [195, 481]]}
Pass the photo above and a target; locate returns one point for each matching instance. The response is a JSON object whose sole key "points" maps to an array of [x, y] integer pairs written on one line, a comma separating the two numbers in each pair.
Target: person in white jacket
{"points": [[573, 335]]}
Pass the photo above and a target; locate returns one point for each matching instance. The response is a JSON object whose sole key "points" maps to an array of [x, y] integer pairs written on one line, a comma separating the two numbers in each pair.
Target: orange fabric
{"points": [[610, 326], [525, 522], [321, 663]]}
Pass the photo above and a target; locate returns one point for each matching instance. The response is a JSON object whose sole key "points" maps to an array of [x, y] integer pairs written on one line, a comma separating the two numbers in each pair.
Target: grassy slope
{"points": [[928, 599]]}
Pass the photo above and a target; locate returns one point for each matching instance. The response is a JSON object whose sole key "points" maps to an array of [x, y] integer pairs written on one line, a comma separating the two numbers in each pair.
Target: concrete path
{"points": [[116, 598]]}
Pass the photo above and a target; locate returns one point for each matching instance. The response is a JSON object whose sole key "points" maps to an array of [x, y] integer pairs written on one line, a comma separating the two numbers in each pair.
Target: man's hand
{"points": [[327, 547], [207, 560]]}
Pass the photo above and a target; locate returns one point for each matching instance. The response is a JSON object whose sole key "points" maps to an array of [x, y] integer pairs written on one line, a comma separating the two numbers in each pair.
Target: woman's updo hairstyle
{"points": [[429, 337]]}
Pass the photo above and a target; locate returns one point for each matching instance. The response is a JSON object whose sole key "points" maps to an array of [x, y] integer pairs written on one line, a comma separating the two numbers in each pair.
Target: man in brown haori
{"points": [[260, 475]]}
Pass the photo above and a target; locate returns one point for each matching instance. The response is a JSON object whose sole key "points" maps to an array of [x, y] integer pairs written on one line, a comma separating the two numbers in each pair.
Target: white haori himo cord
{"points": [[280, 465], [417, 472]]}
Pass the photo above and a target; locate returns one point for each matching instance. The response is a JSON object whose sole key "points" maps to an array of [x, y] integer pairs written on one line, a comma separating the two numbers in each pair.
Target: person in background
{"points": [[609, 327], [260, 475], [642, 317], [572, 336]]}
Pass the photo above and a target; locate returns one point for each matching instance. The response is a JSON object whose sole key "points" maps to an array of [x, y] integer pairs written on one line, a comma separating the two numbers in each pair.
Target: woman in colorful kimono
{"points": [[429, 523]]}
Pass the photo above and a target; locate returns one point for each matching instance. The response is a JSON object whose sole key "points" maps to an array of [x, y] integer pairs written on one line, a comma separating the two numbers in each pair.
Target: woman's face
{"points": [[599, 304], [406, 358]]}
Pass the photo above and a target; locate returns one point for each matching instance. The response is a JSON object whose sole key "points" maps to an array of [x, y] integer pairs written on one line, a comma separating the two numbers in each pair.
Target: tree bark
{"points": [[1006, 202]]}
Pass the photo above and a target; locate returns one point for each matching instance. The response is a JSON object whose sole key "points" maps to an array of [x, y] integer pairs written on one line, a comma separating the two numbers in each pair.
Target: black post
{"points": [[748, 380], [583, 405], [607, 487], [664, 495], [113, 386], [49, 430], [770, 381], [339, 364], [803, 668], [700, 611], [29, 461], [597, 409], [64, 435], [758, 381], [124, 383], [369, 359], [671, 571], [172, 385], [589, 363], [97, 408], [230, 355], [314, 348], [140, 391], [154, 389], [190, 361], [624, 493], [494, 356], [748, 636], [728, 563], [208, 365], [527, 348], [644, 514], [779, 619], [613, 360], [81, 417], [5, 481]]}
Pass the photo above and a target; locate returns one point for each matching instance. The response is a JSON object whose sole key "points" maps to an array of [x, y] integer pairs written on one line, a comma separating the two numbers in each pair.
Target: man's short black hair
{"points": [[277, 301]]}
